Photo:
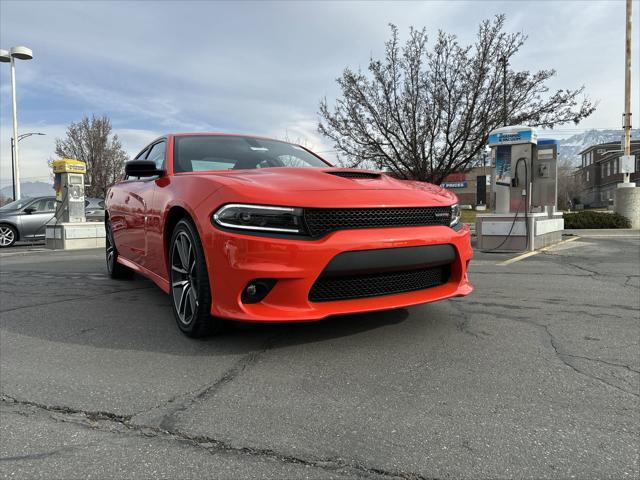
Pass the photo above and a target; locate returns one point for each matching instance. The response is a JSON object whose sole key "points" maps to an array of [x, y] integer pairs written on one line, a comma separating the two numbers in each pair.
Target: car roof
{"points": [[220, 134]]}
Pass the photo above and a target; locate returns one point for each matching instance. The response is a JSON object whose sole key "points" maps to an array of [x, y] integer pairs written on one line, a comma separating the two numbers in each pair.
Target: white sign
{"points": [[627, 164]]}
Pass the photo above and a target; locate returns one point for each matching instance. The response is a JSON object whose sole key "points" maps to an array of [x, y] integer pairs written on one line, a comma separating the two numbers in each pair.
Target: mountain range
{"points": [[29, 189], [570, 147]]}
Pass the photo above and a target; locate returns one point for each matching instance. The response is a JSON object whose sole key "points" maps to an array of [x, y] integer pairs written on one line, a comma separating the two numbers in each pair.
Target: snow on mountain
{"points": [[570, 147]]}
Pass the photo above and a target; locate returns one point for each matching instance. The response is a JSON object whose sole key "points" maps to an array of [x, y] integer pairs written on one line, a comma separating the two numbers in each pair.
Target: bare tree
{"points": [[92, 141], [569, 185], [423, 114]]}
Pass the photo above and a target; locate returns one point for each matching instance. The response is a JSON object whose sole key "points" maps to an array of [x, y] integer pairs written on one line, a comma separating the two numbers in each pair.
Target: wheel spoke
{"points": [[183, 251], [175, 268], [182, 304]]}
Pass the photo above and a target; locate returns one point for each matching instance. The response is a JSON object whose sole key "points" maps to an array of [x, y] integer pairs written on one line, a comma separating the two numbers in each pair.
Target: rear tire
{"points": [[8, 235], [189, 286], [114, 269]]}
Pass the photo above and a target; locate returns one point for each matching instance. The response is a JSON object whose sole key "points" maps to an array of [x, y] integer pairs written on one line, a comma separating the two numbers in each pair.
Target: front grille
{"points": [[321, 221], [355, 174], [373, 285]]}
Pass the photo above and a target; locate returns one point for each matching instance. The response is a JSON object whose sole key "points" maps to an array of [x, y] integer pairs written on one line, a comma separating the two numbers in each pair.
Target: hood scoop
{"points": [[354, 174]]}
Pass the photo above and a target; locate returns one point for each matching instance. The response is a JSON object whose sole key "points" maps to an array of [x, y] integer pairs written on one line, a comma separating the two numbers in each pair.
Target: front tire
{"points": [[114, 269], [8, 235], [190, 289]]}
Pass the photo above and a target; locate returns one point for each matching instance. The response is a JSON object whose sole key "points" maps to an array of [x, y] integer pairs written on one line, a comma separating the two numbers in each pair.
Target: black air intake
{"points": [[354, 174]]}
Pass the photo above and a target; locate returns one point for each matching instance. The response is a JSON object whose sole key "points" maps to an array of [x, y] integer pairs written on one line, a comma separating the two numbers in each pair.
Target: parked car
{"points": [[94, 209], [25, 219], [258, 230]]}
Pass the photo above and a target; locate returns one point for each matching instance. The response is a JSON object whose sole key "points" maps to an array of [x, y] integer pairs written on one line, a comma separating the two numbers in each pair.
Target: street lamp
{"points": [[21, 53], [13, 172]]}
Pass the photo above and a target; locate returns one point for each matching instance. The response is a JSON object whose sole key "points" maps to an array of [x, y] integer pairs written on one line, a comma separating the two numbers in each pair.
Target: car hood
{"points": [[8, 213], [327, 187]]}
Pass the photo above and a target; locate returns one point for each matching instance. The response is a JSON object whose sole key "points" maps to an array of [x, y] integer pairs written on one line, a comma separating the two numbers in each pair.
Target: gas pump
{"points": [[525, 186], [69, 186], [68, 228]]}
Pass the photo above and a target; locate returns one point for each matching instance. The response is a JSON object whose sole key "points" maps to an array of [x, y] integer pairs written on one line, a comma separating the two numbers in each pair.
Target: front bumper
{"points": [[234, 260]]}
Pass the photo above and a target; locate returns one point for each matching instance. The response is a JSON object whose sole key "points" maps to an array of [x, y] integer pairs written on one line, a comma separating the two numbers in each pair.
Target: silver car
{"points": [[94, 209], [25, 219]]}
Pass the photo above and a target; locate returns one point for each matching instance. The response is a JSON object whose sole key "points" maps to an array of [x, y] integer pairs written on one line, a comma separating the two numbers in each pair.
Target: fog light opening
{"points": [[257, 290]]}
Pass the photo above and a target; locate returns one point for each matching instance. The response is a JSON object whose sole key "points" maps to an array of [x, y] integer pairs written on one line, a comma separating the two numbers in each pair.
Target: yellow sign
{"points": [[68, 165]]}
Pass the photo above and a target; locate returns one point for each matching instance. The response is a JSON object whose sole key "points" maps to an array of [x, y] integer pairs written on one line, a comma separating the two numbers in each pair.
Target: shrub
{"points": [[589, 219]]}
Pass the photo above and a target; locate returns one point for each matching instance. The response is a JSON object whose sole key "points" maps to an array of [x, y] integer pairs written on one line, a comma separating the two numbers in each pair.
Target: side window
{"points": [[157, 154], [142, 154], [44, 205]]}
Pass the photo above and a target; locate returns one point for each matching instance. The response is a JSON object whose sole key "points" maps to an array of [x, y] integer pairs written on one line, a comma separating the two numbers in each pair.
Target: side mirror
{"points": [[142, 168], [29, 210]]}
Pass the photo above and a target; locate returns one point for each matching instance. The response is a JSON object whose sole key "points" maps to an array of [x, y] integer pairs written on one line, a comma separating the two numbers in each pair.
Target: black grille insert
{"points": [[321, 221], [373, 285], [355, 174]]}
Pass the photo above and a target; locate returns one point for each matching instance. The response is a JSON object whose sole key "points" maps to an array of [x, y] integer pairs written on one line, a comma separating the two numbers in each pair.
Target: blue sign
{"points": [[513, 135]]}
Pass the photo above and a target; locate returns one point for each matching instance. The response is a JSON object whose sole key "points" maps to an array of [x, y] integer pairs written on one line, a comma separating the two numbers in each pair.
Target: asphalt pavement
{"points": [[535, 375]]}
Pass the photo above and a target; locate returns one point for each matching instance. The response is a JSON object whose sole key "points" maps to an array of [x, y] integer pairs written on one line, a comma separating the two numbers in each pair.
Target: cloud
{"points": [[261, 67]]}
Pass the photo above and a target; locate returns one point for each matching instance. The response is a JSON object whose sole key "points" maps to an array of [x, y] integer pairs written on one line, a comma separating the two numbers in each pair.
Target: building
{"points": [[600, 174], [465, 185]]}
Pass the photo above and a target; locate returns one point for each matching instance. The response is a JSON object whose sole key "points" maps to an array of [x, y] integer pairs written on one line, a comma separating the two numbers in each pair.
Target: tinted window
{"points": [[157, 154], [44, 205], [142, 154], [209, 152]]}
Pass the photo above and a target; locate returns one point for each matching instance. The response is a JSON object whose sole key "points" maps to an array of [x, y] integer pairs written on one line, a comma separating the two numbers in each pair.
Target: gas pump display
{"points": [[69, 187], [503, 166]]}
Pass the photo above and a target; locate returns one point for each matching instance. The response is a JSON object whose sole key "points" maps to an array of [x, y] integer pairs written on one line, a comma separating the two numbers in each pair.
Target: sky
{"points": [[262, 67]]}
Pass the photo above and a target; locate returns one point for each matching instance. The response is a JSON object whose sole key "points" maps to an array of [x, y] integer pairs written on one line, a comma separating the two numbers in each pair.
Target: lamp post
{"points": [[21, 53], [13, 171]]}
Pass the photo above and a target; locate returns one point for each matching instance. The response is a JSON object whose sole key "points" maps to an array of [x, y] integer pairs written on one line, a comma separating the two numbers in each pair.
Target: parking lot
{"points": [[535, 375]]}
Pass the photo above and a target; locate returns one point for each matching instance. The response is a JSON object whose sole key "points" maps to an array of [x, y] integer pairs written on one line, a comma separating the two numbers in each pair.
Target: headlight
{"points": [[260, 218], [455, 215]]}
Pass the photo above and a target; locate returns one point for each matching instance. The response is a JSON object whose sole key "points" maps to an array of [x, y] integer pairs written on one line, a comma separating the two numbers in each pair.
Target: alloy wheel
{"points": [[110, 249], [7, 236], [183, 278]]}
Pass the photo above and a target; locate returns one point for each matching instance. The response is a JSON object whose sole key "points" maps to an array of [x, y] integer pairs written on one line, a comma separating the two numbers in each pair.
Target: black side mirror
{"points": [[142, 168], [29, 210]]}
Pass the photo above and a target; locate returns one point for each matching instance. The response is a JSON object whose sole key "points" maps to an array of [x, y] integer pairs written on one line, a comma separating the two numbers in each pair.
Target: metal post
{"points": [[13, 171], [16, 180], [627, 89]]}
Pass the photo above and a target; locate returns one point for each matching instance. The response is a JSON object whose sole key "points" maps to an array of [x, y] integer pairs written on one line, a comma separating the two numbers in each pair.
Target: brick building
{"points": [[465, 184], [600, 174]]}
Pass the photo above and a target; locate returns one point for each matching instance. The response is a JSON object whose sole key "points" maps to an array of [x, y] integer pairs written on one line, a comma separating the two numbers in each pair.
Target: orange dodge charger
{"points": [[244, 228]]}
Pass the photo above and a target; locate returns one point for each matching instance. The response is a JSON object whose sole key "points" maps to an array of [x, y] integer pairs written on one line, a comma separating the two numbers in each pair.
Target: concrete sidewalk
{"points": [[604, 232]]}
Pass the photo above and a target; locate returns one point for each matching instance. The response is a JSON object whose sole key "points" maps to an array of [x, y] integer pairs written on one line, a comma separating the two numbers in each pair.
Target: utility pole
{"points": [[627, 90]]}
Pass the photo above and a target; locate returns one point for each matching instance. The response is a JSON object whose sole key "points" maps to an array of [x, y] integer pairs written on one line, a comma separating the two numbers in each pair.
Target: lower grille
{"points": [[373, 285]]}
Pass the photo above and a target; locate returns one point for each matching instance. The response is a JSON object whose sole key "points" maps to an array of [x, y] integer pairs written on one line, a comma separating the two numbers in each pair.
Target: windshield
{"points": [[220, 152], [16, 204]]}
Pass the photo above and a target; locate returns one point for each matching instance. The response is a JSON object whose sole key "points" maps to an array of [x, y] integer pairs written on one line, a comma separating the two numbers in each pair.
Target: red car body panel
{"points": [[138, 212]]}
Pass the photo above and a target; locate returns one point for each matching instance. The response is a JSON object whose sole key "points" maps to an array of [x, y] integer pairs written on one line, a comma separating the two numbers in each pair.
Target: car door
{"points": [[35, 216], [137, 197]]}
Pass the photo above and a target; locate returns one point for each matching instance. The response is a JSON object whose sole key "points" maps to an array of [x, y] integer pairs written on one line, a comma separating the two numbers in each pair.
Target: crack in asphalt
{"points": [[119, 424], [73, 299], [561, 355], [167, 422]]}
